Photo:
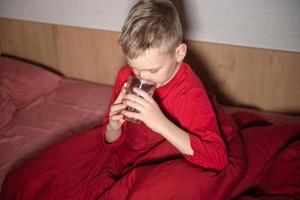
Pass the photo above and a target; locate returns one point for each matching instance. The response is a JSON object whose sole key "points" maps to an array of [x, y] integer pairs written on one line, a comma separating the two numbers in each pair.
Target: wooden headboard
{"points": [[259, 78]]}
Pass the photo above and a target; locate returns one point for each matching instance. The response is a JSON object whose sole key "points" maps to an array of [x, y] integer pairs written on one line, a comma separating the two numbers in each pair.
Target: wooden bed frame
{"points": [[259, 78]]}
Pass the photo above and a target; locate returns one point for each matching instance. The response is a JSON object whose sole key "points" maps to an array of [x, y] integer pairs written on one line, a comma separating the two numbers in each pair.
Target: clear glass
{"points": [[135, 82]]}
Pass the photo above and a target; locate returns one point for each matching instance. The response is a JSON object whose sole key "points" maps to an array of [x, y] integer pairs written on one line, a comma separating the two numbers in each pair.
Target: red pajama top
{"points": [[184, 101]]}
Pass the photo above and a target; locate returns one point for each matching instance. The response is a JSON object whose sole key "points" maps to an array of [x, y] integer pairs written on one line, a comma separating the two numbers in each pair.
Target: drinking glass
{"points": [[135, 82]]}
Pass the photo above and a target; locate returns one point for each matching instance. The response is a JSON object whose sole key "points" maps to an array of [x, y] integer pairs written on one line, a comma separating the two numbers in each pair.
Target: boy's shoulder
{"points": [[191, 81], [190, 88], [124, 72]]}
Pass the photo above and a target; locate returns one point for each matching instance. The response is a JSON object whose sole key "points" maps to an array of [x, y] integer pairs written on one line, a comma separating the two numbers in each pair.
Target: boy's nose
{"points": [[142, 75], [138, 75]]}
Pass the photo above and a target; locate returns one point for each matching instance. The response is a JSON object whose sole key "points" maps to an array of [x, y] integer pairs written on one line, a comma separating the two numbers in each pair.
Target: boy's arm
{"points": [[177, 137], [198, 120], [110, 136], [196, 134], [207, 152], [201, 147]]}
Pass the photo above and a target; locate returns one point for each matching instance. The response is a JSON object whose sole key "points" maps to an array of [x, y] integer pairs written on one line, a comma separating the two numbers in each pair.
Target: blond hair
{"points": [[150, 24]]}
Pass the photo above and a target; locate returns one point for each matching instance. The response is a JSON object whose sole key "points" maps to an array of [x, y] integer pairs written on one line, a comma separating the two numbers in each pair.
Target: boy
{"points": [[151, 40], [88, 164]]}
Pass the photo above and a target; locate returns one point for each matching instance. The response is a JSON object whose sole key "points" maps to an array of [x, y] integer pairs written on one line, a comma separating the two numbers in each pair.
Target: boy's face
{"points": [[155, 66]]}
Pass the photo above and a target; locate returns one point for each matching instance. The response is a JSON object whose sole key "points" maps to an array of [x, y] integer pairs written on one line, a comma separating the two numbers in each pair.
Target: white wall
{"points": [[273, 24]]}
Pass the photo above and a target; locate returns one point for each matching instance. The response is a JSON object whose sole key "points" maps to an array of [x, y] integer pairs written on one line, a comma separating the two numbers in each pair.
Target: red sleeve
{"points": [[122, 76], [197, 117]]}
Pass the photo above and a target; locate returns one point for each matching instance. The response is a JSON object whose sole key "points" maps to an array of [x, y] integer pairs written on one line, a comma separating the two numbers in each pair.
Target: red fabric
{"points": [[20, 84], [248, 119], [153, 177], [185, 102], [228, 127], [267, 197], [67, 170], [283, 175], [74, 106], [7, 109], [142, 165], [272, 117], [263, 144], [73, 173], [183, 94], [24, 82]]}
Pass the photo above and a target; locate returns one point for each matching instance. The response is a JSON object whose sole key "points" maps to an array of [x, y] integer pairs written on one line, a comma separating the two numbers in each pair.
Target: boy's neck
{"points": [[178, 64]]}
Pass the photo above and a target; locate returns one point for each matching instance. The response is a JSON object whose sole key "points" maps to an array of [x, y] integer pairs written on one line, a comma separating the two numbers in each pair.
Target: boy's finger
{"points": [[136, 98], [133, 115], [115, 108], [133, 104], [143, 94], [121, 95], [117, 117]]}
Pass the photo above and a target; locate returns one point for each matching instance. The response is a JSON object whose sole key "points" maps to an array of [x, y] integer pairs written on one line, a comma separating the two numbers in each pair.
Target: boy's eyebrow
{"points": [[147, 69]]}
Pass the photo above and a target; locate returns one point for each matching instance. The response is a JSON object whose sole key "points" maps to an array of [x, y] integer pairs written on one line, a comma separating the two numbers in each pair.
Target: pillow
{"points": [[24, 82], [7, 109]]}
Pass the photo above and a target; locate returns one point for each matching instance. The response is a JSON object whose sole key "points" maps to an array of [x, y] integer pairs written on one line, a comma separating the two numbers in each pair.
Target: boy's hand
{"points": [[149, 111], [116, 118]]}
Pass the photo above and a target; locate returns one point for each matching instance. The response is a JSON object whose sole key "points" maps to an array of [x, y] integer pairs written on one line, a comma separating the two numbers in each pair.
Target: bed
{"points": [[39, 108]]}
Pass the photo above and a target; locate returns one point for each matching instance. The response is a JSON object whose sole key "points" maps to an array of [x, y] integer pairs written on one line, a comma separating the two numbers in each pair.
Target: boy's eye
{"points": [[153, 71]]}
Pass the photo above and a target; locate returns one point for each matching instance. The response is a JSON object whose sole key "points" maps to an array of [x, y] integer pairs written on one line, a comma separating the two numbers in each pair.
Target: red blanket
{"points": [[263, 163]]}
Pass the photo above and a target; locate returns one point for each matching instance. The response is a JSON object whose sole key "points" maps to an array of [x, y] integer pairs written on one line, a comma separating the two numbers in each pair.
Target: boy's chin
{"points": [[159, 85]]}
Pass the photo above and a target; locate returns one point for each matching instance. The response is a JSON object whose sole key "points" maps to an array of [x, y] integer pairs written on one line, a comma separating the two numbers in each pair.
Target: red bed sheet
{"points": [[263, 163]]}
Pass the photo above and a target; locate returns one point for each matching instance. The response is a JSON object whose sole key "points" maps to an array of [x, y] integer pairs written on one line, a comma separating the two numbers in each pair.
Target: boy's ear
{"points": [[181, 52]]}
